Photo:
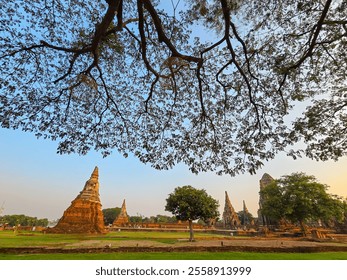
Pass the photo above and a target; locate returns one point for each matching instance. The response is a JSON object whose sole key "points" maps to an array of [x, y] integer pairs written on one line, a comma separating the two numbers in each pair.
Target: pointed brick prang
{"points": [[230, 218], [84, 214], [122, 219], [90, 191], [95, 173], [262, 219], [245, 210], [265, 180], [246, 220]]}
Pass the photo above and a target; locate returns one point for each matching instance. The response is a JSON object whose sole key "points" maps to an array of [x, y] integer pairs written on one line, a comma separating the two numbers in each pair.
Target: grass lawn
{"points": [[30, 239]]}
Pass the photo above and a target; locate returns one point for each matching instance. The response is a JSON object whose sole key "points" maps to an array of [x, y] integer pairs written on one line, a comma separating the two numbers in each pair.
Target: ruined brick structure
{"points": [[84, 214], [122, 220], [230, 218], [246, 221], [262, 219]]}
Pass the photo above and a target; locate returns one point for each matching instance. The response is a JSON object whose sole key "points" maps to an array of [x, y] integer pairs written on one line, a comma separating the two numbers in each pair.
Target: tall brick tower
{"points": [[230, 218], [122, 219], [84, 215]]}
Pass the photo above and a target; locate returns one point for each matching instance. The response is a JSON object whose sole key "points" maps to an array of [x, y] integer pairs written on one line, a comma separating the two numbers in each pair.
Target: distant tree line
{"points": [[23, 220], [157, 219], [110, 214]]}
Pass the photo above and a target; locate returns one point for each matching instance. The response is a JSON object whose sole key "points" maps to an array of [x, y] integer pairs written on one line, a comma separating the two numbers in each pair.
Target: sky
{"points": [[38, 182]]}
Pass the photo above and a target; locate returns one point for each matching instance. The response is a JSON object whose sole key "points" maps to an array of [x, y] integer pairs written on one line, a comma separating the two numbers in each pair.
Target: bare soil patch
{"points": [[294, 245]]}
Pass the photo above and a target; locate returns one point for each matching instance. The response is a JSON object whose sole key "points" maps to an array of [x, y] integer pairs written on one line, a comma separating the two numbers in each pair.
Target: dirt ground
{"points": [[299, 245]]}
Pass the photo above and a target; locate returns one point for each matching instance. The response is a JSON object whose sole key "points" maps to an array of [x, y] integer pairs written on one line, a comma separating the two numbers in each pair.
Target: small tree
{"points": [[300, 198], [245, 218], [110, 214], [189, 204]]}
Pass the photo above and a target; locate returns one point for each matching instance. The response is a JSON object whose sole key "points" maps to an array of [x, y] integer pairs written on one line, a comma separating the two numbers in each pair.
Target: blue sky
{"points": [[38, 182]]}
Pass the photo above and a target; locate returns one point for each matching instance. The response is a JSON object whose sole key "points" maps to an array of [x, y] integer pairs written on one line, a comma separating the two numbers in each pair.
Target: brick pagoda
{"points": [[84, 214]]}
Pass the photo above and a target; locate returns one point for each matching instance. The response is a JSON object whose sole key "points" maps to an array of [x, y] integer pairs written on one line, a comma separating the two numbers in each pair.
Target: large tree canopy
{"points": [[138, 77], [301, 198]]}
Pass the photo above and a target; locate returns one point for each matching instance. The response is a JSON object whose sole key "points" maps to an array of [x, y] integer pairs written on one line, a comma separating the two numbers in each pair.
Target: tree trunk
{"points": [[191, 232]]}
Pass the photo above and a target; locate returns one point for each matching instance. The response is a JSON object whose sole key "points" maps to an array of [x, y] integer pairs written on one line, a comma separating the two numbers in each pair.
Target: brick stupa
{"points": [[122, 220], [84, 214], [230, 217]]}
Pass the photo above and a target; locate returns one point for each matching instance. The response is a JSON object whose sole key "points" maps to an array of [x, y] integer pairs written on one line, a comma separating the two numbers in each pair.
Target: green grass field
{"points": [[10, 239], [25, 239]]}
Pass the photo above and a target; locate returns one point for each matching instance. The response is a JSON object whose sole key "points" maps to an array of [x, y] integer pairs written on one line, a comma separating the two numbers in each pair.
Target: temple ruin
{"points": [[246, 221], [84, 215], [122, 219], [262, 219], [230, 217]]}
